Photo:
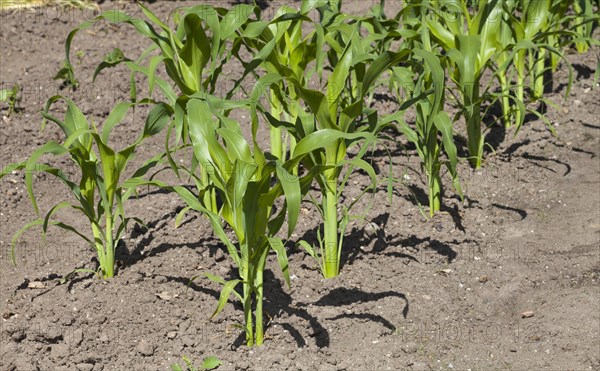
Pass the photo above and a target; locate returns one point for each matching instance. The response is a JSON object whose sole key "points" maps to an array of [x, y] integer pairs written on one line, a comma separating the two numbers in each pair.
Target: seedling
{"points": [[431, 124], [12, 98], [470, 51], [99, 191], [337, 117], [209, 363]]}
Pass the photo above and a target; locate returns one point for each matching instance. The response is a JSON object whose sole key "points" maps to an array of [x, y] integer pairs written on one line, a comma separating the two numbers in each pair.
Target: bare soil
{"points": [[507, 279]]}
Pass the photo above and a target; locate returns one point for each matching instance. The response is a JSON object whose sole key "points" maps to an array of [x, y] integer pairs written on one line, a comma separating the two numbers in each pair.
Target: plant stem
{"points": [[505, 86], [432, 169], [330, 216], [108, 269], [276, 143], [538, 86], [473, 118], [435, 192], [520, 67], [213, 200], [259, 290], [210, 197], [247, 304], [520, 95], [97, 233], [331, 233]]}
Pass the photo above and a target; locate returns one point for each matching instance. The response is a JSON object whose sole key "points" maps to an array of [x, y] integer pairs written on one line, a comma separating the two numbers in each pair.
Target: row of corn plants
{"points": [[427, 56]]}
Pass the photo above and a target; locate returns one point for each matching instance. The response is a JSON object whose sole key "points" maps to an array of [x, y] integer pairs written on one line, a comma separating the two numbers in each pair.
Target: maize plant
{"points": [[566, 29], [286, 46], [529, 51], [584, 24], [193, 54], [336, 117], [99, 192], [243, 178], [281, 48], [558, 21], [534, 11], [504, 43], [470, 44], [248, 182], [431, 121], [204, 40], [12, 98], [570, 22]]}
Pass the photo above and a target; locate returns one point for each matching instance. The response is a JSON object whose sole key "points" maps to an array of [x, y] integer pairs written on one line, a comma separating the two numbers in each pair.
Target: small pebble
{"points": [[145, 348], [527, 314]]}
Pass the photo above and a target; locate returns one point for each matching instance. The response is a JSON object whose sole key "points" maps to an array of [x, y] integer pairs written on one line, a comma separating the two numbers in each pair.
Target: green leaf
{"points": [[311, 251], [52, 211], [114, 118], [180, 216], [215, 279], [444, 125], [74, 230], [157, 119], [293, 197], [202, 128], [210, 363], [195, 53], [237, 146], [322, 138], [364, 166], [30, 167], [234, 19], [337, 81], [110, 171], [380, 65], [224, 296], [112, 59], [282, 259]]}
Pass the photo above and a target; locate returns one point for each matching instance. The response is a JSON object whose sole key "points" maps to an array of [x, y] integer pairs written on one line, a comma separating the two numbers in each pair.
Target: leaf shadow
{"points": [[342, 296], [279, 302]]}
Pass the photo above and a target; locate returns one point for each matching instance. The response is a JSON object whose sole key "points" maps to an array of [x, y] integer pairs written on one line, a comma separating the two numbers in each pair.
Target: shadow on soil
{"points": [[279, 303]]}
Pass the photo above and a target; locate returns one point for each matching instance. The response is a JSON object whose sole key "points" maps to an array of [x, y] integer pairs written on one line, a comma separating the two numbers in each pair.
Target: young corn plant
{"points": [[337, 118], [243, 178], [585, 21], [470, 44], [565, 29], [504, 45], [559, 20], [528, 54], [208, 363], [248, 182], [289, 44], [193, 54], [301, 57], [12, 98], [99, 192], [538, 17], [295, 52], [431, 123]]}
